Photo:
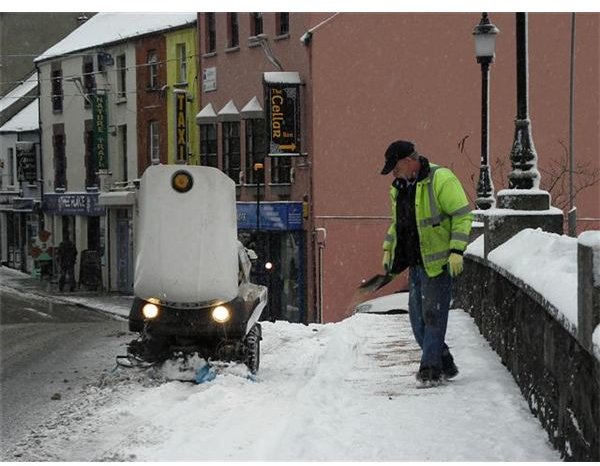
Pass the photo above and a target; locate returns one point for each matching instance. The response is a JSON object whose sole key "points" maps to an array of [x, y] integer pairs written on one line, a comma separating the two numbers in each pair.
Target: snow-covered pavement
{"points": [[343, 391]]}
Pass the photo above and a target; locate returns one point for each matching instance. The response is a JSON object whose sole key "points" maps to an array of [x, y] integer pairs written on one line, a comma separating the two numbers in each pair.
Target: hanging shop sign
{"points": [[26, 161], [180, 126], [100, 130], [282, 105]]}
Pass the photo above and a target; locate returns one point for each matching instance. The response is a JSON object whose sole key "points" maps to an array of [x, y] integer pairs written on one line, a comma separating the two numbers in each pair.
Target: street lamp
{"points": [[485, 45], [525, 174]]}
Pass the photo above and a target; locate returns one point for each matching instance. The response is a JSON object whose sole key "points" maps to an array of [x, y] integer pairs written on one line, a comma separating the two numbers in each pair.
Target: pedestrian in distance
{"points": [[67, 255], [431, 222]]}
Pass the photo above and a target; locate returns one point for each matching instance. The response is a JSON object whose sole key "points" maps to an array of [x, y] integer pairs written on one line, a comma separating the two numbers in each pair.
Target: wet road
{"points": [[49, 352]]}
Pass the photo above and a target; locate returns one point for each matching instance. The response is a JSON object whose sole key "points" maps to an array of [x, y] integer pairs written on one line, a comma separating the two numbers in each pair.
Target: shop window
{"points": [[211, 33], [89, 80], [57, 90], [152, 66], [208, 145], [153, 142], [121, 77], [233, 30], [60, 161], [181, 64], [281, 169], [231, 150], [282, 24], [255, 150], [256, 24]]}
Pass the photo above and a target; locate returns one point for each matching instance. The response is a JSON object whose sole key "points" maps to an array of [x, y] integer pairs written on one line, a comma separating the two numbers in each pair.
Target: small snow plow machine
{"points": [[192, 289]]}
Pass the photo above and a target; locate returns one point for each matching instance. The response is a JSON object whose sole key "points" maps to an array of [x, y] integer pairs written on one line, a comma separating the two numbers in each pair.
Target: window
{"points": [[152, 63], [11, 166], [121, 77], [283, 24], [153, 142], [181, 64], [233, 30], [280, 169], [208, 145], [60, 161], [255, 149], [256, 24], [91, 164], [211, 33], [231, 150], [122, 135], [89, 80], [57, 90]]}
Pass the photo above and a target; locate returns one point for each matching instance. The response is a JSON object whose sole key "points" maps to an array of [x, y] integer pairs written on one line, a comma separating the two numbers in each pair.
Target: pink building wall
{"points": [[380, 77]]}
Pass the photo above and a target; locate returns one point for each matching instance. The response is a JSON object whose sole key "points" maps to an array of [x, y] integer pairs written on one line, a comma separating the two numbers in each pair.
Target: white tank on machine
{"points": [[187, 243]]}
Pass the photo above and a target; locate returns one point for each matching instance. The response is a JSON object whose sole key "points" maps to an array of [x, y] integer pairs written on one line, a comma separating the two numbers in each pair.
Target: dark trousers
{"points": [[67, 271]]}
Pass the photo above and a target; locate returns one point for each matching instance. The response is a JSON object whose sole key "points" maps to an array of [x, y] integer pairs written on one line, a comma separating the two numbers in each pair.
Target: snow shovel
{"points": [[375, 283]]}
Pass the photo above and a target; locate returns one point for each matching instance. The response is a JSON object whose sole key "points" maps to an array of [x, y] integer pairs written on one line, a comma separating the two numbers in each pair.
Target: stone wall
{"points": [[558, 377]]}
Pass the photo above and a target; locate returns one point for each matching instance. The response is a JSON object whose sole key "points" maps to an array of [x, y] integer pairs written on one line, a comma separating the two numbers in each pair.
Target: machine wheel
{"points": [[252, 348]]}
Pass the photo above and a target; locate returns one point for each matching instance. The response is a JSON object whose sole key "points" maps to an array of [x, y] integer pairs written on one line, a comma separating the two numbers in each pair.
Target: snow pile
{"points": [[545, 261], [334, 392]]}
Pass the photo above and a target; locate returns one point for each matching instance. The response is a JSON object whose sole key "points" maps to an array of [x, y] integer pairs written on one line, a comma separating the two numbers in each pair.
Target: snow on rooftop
{"points": [[229, 109], [25, 120], [106, 28], [252, 106], [18, 91]]}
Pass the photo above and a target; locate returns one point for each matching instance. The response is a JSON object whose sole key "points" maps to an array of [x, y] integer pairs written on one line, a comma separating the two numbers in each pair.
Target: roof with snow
{"points": [[107, 28], [26, 120], [17, 92]]}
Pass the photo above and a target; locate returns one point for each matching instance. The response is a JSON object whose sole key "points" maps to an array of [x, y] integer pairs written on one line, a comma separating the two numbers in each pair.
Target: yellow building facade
{"points": [[183, 102]]}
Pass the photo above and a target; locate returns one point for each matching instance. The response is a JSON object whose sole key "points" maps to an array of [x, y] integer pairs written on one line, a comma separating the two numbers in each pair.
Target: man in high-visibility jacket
{"points": [[431, 222]]}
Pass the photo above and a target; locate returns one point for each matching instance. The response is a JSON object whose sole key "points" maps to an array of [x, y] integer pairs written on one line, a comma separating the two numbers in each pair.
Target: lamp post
{"points": [[523, 156], [485, 45]]}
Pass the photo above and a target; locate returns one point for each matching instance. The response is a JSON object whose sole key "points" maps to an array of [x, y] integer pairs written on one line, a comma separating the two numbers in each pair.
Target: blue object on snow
{"points": [[205, 374]]}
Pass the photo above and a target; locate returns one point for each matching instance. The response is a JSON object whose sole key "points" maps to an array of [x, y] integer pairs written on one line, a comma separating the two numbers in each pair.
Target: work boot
{"points": [[428, 377], [449, 369]]}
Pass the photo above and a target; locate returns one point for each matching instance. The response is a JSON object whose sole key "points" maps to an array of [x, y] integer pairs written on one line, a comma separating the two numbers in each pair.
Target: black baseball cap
{"points": [[397, 150]]}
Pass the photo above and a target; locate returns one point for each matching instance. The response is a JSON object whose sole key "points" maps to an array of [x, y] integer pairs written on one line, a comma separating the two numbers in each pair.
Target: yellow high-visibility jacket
{"points": [[443, 220]]}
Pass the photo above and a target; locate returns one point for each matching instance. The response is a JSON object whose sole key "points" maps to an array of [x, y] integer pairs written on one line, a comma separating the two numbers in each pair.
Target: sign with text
{"points": [[100, 130], [26, 162], [72, 204], [209, 79], [180, 126], [281, 216], [282, 105]]}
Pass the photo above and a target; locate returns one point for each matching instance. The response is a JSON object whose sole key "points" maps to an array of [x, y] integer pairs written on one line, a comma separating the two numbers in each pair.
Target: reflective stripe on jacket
{"points": [[443, 220]]}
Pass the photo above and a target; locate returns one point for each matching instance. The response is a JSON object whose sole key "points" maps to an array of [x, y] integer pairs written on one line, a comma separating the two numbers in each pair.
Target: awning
{"points": [[252, 109], [206, 116], [116, 198], [229, 112]]}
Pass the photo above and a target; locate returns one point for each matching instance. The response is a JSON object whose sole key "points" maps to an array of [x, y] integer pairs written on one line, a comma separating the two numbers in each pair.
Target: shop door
{"points": [[124, 252]]}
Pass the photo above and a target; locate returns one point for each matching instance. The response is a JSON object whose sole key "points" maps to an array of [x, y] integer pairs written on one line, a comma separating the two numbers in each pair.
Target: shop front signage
{"points": [[281, 216], [282, 107], [100, 130], [180, 125], [26, 162], [85, 204]]}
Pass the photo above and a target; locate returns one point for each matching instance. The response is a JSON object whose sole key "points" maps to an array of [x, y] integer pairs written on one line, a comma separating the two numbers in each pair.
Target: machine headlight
{"points": [[150, 310], [221, 314]]}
